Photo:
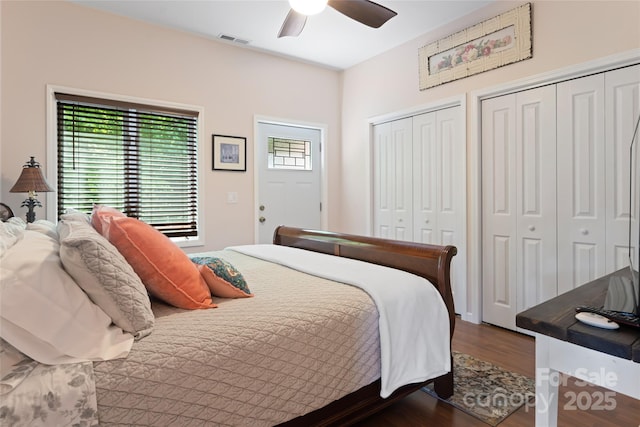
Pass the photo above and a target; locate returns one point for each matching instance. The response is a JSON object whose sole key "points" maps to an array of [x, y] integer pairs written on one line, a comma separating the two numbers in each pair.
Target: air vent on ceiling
{"points": [[233, 39]]}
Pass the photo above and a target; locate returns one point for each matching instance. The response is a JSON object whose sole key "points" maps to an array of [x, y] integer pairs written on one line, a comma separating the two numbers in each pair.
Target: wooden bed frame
{"points": [[428, 261]]}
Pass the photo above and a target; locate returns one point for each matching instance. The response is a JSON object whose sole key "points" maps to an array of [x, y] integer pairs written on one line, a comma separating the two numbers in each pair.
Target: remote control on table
{"points": [[620, 317]]}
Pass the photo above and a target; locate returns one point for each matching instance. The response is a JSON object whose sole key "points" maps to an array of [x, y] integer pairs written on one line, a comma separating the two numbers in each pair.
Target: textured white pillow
{"points": [[104, 274], [46, 315]]}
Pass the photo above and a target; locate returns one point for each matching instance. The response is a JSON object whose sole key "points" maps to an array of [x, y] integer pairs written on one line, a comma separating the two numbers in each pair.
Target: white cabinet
{"points": [[555, 189], [418, 191], [518, 203]]}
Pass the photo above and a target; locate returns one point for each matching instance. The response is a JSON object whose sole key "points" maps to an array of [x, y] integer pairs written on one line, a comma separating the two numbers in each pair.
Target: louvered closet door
{"points": [[581, 184], [392, 151], [518, 199], [622, 92]]}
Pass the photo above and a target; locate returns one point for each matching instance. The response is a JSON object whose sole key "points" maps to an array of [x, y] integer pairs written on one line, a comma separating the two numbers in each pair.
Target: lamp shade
{"points": [[31, 179]]}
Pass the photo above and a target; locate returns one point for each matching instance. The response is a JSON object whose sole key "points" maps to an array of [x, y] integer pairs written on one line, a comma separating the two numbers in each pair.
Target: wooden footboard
{"points": [[429, 261]]}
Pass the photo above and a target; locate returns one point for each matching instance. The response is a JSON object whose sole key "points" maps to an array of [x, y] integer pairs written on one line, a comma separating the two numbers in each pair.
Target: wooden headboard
{"points": [[429, 261]]}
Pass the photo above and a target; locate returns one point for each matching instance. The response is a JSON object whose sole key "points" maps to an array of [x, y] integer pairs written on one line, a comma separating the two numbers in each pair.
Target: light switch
{"points": [[232, 197]]}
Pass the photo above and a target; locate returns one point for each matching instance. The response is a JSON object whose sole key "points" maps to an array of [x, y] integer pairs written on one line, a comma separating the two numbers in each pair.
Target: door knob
{"points": [[262, 219], [532, 228], [261, 207]]}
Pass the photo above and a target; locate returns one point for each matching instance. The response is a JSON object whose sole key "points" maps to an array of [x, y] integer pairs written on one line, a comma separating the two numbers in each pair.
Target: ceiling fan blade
{"points": [[363, 11], [293, 24]]}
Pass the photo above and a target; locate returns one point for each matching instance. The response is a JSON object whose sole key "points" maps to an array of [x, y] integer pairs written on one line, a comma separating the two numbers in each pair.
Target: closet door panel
{"points": [[382, 218], [450, 195], [402, 141], [536, 196], [499, 213], [393, 190], [425, 178], [450, 156], [622, 89], [438, 192], [581, 191]]}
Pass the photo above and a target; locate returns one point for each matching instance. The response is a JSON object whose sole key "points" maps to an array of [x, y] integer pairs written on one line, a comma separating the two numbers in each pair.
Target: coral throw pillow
{"points": [[166, 271], [223, 279]]}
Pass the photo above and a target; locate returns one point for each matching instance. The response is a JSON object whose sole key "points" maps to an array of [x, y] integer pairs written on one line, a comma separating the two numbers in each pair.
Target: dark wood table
{"points": [[608, 358]]}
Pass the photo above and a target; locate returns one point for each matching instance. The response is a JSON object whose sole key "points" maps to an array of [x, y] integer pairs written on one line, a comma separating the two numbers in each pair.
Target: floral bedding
{"points": [[34, 394]]}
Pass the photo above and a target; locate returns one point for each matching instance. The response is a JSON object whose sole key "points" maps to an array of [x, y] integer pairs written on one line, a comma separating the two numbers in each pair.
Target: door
{"points": [[289, 177], [392, 194], [499, 217], [519, 203], [595, 187], [438, 189], [581, 184], [622, 93]]}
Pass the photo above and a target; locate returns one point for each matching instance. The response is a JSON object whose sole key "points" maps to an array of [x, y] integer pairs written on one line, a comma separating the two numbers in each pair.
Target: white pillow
{"points": [[106, 276], [10, 232], [45, 227], [75, 215], [45, 314]]}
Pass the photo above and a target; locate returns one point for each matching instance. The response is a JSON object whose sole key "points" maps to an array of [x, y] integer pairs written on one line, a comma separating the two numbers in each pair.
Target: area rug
{"points": [[485, 390]]}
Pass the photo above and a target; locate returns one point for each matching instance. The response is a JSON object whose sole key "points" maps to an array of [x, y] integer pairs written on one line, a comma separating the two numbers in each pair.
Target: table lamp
{"points": [[31, 181]]}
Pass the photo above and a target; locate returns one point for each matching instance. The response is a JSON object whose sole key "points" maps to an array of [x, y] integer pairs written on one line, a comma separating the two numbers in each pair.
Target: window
{"points": [[137, 158], [289, 154]]}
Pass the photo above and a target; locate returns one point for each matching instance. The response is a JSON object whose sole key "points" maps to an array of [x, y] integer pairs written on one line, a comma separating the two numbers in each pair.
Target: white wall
{"points": [[564, 33], [59, 43]]}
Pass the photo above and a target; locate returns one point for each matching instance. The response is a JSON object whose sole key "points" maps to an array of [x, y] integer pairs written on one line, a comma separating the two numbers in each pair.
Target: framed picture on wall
{"points": [[229, 153], [496, 42]]}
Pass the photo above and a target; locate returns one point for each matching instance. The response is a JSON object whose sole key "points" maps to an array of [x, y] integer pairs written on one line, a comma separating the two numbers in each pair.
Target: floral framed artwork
{"points": [[229, 153], [496, 42]]}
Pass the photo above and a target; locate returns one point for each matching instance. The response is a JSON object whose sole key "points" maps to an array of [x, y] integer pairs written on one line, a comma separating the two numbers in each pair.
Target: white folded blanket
{"points": [[414, 323]]}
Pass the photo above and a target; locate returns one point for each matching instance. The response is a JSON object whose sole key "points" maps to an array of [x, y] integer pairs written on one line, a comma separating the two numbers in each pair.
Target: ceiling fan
{"points": [[363, 11]]}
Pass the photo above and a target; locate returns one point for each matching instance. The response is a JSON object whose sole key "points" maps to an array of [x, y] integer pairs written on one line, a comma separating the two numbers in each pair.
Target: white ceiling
{"points": [[330, 38]]}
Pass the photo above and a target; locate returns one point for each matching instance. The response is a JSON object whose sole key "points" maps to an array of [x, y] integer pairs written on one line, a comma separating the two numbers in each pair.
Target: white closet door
{"points": [[622, 90], [499, 219], [425, 179], [536, 197], [393, 187], [438, 189], [581, 189], [519, 203]]}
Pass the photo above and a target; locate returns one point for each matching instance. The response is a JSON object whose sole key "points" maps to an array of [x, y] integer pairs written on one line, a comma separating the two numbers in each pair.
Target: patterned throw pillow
{"points": [[223, 279]]}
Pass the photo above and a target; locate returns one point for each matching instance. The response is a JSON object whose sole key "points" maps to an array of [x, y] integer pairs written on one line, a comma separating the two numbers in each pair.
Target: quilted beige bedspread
{"points": [[300, 343]]}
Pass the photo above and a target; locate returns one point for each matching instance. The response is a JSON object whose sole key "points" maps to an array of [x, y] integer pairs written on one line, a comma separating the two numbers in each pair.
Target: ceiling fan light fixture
{"points": [[308, 7]]}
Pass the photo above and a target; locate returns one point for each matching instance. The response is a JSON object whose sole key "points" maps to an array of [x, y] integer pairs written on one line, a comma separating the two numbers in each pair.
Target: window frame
{"points": [[51, 166]]}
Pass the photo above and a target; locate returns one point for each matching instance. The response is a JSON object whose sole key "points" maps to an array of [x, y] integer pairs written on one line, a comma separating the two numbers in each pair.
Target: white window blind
{"points": [[139, 159]]}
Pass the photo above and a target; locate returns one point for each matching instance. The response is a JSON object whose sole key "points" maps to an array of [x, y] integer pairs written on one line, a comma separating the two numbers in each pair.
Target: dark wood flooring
{"points": [[515, 352]]}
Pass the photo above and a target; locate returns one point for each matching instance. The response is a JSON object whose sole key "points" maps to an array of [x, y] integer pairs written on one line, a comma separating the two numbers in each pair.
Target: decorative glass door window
{"points": [[289, 154]]}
